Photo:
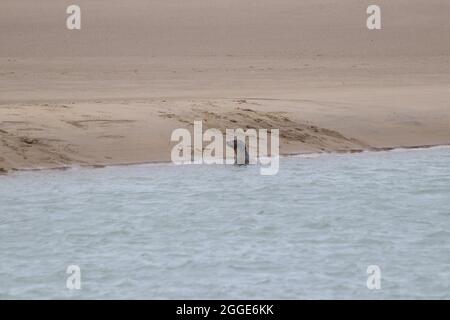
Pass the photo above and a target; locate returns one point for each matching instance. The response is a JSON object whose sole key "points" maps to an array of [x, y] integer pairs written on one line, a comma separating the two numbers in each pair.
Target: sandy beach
{"points": [[113, 92]]}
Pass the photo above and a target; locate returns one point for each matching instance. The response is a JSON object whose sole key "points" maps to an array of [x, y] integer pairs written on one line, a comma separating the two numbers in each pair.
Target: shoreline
{"points": [[104, 133], [292, 155]]}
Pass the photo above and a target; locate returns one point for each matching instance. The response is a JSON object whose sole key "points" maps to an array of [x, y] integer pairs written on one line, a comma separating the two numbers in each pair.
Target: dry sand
{"points": [[113, 92]]}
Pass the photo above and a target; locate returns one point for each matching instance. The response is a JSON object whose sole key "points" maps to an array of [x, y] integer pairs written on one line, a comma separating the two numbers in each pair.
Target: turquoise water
{"points": [[164, 231]]}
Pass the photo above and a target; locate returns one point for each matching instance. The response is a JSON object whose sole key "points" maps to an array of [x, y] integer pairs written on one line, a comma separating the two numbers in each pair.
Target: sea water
{"points": [[226, 232]]}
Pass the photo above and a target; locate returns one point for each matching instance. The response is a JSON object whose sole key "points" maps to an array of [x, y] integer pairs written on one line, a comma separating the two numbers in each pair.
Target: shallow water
{"points": [[164, 231]]}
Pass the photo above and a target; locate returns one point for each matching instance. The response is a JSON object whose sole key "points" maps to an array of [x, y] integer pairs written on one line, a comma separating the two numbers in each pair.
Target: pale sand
{"points": [[113, 92]]}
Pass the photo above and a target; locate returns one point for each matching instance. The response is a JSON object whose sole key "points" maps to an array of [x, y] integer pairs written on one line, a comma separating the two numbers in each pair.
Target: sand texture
{"points": [[113, 92]]}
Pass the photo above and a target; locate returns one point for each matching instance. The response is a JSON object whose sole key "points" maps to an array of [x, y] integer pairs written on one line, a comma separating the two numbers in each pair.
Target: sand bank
{"points": [[113, 92]]}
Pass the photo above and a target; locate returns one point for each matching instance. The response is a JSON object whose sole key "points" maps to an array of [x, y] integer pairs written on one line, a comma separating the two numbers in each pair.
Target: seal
{"points": [[241, 155]]}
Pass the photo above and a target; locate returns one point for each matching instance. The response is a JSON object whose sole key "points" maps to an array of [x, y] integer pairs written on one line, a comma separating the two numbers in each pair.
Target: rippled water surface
{"points": [[163, 231]]}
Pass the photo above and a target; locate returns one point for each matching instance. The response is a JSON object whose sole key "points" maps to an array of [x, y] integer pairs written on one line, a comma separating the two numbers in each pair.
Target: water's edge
{"points": [[283, 155]]}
